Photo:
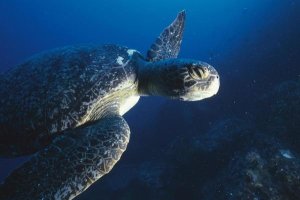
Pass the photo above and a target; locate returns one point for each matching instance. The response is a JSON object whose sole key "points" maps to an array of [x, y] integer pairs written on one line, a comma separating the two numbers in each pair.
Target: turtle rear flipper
{"points": [[167, 45], [71, 163]]}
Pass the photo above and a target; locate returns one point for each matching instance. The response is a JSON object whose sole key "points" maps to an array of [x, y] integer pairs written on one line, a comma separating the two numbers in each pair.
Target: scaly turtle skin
{"points": [[66, 106]]}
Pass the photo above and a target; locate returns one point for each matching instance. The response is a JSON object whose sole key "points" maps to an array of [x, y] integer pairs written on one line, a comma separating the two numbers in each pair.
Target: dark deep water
{"points": [[243, 143]]}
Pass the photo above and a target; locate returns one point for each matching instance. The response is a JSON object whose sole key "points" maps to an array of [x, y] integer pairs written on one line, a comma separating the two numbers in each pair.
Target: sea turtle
{"points": [[66, 107]]}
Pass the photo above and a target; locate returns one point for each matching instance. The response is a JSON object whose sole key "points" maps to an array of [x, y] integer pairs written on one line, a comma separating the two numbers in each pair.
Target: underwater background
{"points": [[243, 143]]}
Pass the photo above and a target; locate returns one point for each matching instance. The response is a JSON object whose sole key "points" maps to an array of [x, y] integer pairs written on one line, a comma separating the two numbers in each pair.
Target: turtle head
{"points": [[164, 75], [187, 80]]}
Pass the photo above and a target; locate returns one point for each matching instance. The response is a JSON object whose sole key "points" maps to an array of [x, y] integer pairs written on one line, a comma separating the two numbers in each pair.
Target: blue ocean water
{"points": [[187, 150]]}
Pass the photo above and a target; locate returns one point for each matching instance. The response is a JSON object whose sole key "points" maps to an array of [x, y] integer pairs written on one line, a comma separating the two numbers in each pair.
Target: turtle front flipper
{"points": [[70, 164], [167, 45]]}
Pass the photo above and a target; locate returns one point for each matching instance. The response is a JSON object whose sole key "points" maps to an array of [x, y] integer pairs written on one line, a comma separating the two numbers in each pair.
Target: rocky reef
{"points": [[279, 112], [269, 173]]}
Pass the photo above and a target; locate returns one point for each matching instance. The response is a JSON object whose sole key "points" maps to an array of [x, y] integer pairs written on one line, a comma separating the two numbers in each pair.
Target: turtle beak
{"points": [[215, 84]]}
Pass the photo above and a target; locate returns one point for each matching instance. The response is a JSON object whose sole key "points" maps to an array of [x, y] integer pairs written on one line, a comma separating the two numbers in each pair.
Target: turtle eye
{"points": [[205, 71], [198, 73]]}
